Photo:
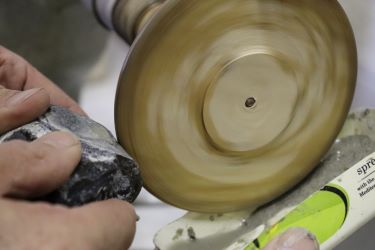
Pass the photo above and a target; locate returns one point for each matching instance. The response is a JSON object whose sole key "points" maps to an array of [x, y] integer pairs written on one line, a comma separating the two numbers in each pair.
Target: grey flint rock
{"points": [[105, 171]]}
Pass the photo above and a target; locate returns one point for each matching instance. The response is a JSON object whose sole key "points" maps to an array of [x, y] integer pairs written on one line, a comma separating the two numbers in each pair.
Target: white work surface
{"points": [[98, 100]]}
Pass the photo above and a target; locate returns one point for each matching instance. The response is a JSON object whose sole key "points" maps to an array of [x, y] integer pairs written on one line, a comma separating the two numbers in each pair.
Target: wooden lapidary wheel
{"points": [[227, 104]]}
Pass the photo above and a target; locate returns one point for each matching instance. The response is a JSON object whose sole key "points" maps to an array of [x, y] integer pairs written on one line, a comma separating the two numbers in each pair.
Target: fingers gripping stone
{"points": [[105, 171], [37, 168]]}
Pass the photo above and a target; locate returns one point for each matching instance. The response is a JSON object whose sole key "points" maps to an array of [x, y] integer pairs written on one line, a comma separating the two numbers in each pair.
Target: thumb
{"points": [[294, 239], [31, 169]]}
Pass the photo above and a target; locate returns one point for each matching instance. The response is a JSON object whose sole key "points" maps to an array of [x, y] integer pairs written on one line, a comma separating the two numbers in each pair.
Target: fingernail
{"points": [[22, 96], [298, 239], [61, 139]]}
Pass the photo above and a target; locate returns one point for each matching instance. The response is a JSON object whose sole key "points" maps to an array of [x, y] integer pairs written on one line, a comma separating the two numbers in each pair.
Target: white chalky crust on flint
{"points": [[106, 171]]}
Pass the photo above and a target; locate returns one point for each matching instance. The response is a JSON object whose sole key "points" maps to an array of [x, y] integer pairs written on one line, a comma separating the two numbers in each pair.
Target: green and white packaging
{"points": [[335, 212]]}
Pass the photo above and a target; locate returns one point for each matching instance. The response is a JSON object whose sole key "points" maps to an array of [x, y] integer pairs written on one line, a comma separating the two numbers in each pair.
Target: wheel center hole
{"points": [[250, 102]]}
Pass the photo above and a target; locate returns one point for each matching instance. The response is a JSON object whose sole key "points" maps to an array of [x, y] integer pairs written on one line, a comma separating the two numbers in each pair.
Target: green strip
{"points": [[322, 214]]}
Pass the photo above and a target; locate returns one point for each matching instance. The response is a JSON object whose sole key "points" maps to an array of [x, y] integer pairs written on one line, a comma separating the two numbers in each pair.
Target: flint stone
{"points": [[105, 171]]}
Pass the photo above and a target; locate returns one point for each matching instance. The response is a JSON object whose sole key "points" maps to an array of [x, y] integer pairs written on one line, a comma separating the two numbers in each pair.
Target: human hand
{"points": [[294, 239], [29, 170]]}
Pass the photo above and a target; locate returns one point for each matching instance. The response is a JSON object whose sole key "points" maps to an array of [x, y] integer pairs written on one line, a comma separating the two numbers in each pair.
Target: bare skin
{"points": [[31, 169], [294, 239]]}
